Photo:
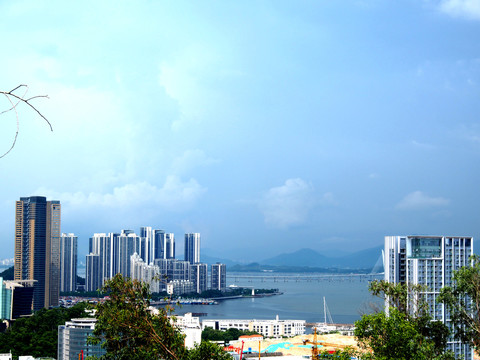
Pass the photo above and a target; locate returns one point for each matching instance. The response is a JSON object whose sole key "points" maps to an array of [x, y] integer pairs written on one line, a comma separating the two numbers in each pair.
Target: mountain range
{"points": [[364, 259]]}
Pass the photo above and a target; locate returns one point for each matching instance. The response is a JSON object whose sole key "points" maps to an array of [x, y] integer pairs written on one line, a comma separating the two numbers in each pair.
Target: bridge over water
{"points": [[282, 277]]}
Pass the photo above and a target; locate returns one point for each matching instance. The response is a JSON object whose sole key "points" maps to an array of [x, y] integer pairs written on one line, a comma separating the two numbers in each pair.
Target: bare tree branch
{"points": [[14, 99]]}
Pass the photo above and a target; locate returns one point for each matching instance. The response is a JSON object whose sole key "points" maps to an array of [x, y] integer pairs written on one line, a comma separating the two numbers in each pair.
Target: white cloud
{"points": [[418, 200], [189, 160], [287, 205], [422, 145], [461, 8], [174, 195], [184, 81]]}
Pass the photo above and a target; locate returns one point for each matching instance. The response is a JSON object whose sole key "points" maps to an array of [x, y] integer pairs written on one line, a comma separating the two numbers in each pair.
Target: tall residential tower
{"points": [[429, 261], [68, 262], [37, 247], [192, 248]]}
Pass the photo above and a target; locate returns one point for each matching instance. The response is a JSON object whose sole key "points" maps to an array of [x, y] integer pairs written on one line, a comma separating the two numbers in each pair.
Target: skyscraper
{"points": [[68, 262], [192, 248], [37, 247], [93, 276], [199, 276], [429, 261], [218, 277], [169, 246]]}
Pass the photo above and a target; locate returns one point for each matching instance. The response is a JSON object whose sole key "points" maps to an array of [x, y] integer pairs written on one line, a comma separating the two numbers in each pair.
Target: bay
{"points": [[347, 298]]}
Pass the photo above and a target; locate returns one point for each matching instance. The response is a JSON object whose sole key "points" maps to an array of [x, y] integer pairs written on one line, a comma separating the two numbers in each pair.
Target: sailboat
{"points": [[326, 326]]}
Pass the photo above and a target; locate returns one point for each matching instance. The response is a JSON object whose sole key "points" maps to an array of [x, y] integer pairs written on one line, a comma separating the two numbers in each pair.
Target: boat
{"points": [[326, 326]]}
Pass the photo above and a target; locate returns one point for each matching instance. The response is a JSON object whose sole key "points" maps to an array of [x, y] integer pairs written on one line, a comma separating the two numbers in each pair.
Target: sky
{"points": [[267, 126]]}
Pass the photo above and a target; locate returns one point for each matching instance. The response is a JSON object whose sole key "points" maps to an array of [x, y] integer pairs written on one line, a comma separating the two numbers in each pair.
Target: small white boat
{"points": [[326, 326]]}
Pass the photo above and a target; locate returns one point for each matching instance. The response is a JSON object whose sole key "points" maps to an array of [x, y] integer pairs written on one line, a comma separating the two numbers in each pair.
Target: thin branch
{"points": [[16, 132], [21, 99]]}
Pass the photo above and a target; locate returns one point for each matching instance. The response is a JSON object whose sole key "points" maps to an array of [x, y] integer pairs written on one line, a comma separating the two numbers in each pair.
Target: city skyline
{"points": [[323, 125]]}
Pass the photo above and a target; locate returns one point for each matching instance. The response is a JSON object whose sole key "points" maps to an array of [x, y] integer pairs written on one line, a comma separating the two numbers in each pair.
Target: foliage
{"points": [[344, 354], [208, 351], [38, 335], [463, 302], [129, 330], [218, 335], [394, 336], [407, 331]]}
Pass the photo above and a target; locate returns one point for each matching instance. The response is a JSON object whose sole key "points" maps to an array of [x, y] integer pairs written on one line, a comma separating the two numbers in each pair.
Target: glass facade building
{"points": [[429, 261], [37, 247], [192, 248], [68, 262], [72, 340]]}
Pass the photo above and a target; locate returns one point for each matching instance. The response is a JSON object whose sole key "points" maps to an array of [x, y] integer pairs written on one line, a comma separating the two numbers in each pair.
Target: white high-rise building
{"points": [[68, 262], [192, 248], [429, 261], [142, 271], [127, 245], [104, 245], [218, 276]]}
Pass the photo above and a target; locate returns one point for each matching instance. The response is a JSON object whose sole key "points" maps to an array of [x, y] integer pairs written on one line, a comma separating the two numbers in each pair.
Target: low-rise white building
{"points": [[268, 328], [190, 326]]}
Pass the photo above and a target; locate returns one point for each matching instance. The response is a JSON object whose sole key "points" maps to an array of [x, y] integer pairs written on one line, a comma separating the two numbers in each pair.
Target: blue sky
{"points": [[267, 126]]}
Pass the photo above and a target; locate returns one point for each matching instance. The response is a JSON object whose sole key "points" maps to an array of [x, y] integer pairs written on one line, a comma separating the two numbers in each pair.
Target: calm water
{"points": [[346, 299]]}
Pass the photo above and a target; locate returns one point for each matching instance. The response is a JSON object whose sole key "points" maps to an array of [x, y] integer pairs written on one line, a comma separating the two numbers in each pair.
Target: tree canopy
{"points": [[38, 335], [463, 302], [128, 329]]}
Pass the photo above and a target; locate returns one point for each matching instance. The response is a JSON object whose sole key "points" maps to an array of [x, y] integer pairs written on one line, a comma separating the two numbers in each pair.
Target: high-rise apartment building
{"points": [[218, 277], [127, 246], [429, 261], [68, 262], [169, 246], [164, 245], [192, 248], [37, 247], [199, 277], [93, 279]]}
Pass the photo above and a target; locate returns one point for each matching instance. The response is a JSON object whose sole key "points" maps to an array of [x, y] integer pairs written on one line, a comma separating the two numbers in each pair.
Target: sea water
{"points": [[347, 298]]}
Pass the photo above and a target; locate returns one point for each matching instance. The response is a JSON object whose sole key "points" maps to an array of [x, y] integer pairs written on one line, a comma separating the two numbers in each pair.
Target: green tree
{"points": [[463, 301], [344, 354], [228, 335], [208, 351], [394, 336], [38, 335], [128, 329], [406, 331]]}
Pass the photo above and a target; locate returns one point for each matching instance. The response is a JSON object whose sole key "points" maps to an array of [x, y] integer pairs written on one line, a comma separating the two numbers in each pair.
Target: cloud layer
{"points": [[462, 8], [417, 200], [287, 205]]}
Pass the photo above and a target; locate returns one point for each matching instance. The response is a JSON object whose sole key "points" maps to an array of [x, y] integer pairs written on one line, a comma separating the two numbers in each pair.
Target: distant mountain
{"points": [[308, 257], [302, 257], [204, 258]]}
